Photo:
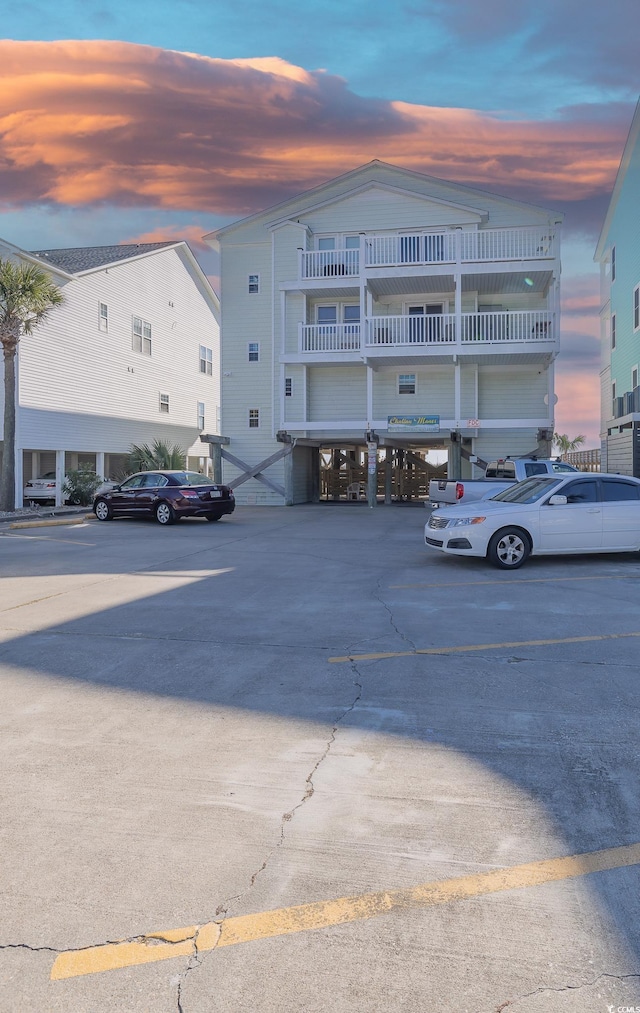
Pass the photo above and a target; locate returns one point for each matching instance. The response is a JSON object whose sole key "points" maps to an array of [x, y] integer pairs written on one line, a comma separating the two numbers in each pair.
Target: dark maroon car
{"points": [[167, 496]]}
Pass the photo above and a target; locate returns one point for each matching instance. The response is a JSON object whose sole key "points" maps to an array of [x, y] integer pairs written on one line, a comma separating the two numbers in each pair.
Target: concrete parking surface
{"points": [[297, 761]]}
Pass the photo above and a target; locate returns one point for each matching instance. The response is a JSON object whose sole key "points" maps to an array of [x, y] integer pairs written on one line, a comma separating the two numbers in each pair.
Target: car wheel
{"points": [[165, 514], [102, 510], [213, 517], [509, 549]]}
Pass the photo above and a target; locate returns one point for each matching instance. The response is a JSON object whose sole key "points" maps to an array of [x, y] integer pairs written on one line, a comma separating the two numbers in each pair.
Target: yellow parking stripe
{"points": [[324, 914], [481, 647]]}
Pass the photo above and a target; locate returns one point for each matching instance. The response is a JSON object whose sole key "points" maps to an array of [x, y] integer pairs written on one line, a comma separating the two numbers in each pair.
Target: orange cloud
{"points": [[90, 122], [577, 410]]}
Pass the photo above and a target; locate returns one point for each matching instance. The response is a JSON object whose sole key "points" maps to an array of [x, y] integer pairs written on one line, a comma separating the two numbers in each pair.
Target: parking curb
{"points": [[56, 522]]}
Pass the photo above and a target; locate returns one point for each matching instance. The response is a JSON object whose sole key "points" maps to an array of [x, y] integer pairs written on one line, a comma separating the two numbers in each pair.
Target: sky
{"points": [[133, 122]]}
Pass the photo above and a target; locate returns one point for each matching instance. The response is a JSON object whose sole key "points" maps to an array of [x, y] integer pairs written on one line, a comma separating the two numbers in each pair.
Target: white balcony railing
{"points": [[330, 263], [431, 248], [504, 328], [411, 330], [329, 337]]}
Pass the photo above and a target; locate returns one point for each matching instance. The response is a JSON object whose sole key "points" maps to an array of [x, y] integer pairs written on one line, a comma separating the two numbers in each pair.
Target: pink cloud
{"points": [[91, 122]]}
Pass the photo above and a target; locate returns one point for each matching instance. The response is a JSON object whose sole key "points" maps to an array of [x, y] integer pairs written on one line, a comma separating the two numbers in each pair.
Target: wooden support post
{"points": [[315, 474], [388, 475], [288, 479], [336, 460], [454, 470], [215, 452]]}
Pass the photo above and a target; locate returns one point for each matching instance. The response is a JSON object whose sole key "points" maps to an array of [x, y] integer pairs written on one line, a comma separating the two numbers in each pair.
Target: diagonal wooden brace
{"points": [[256, 471]]}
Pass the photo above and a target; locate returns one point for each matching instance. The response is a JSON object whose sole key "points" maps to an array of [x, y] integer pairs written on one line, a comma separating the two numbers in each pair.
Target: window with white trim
{"points": [[613, 397], [206, 360], [201, 415], [254, 284], [164, 403], [613, 263], [634, 378], [636, 308], [254, 418], [254, 351], [288, 386], [613, 330], [103, 316], [141, 336], [406, 383]]}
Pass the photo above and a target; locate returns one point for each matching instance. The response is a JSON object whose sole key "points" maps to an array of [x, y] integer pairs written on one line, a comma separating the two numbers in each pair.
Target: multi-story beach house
{"points": [[385, 312]]}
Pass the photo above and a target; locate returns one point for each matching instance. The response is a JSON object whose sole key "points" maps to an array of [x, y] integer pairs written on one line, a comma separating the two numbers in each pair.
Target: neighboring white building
{"points": [[380, 296], [132, 355], [618, 253]]}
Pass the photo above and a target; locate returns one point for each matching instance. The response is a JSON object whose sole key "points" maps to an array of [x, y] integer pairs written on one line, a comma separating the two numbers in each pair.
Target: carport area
{"points": [[298, 761]]}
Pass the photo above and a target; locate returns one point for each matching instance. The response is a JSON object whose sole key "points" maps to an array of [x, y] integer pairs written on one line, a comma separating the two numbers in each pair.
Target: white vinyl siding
{"points": [[511, 394], [105, 399], [337, 393]]}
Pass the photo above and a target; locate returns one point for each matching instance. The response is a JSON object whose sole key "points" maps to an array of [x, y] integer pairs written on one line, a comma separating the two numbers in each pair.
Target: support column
{"points": [[335, 469], [100, 464], [288, 479], [19, 478], [388, 475], [315, 474], [60, 469], [454, 470], [372, 473], [215, 452]]}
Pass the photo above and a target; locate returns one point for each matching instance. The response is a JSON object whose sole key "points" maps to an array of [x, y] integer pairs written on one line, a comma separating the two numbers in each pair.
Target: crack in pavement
{"points": [[378, 596], [562, 988], [222, 911]]}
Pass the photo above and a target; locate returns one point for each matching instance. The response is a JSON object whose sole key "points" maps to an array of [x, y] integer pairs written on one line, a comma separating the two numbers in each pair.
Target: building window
{"points": [[254, 418], [200, 415], [634, 378], [613, 263], [254, 284], [103, 316], [613, 398], [288, 386], [141, 339], [636, 307], [407, 383], [327, 314], [164, 403], [206, 360], [613, 330], [254, 351]]}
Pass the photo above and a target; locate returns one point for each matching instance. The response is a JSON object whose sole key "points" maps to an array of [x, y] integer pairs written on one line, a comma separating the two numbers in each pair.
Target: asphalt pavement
{"points": [[297, 761]]}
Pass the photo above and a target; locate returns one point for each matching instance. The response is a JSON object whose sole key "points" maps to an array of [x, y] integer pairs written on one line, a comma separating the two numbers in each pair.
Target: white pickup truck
{"points": [[499, 475]]}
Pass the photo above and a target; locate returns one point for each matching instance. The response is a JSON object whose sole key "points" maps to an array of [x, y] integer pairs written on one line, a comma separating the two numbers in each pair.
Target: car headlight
{"points": [[458, 522]]}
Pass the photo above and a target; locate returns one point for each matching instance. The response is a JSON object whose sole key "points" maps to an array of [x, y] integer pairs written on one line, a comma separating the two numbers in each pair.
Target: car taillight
{"points": [[189, 493], [459, 490], [51, 485]]}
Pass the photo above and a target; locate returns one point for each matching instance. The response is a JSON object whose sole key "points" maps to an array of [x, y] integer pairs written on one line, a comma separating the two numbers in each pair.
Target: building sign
{"points": [[413, 423]]}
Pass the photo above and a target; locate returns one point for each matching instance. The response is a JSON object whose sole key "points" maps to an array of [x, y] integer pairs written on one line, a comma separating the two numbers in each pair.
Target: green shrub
{"points": [[80, 485]]}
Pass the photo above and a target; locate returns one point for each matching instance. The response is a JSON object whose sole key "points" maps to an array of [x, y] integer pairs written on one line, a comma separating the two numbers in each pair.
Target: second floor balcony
{"points": [[428, 333], [425, 249]]}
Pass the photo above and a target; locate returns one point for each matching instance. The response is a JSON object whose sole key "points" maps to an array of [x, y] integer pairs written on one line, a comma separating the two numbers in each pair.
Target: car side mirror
{"points": [[117, 488], [557, 500]]}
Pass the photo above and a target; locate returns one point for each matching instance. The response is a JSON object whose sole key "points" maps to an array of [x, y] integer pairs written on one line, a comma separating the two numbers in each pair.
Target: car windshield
{"points": [[191, 478], [529, 491]]}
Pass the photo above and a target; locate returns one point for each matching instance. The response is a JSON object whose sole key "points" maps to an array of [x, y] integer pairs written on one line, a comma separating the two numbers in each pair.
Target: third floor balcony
{"points": [[429, 249]]}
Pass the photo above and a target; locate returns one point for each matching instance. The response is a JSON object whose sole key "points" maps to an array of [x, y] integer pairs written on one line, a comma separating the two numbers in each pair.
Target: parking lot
{"points": [[297, 761]]}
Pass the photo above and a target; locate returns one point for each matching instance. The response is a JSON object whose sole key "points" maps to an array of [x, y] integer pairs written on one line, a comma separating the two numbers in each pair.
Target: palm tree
{"points": [[159, 456], [565, 444], [27, 295]]}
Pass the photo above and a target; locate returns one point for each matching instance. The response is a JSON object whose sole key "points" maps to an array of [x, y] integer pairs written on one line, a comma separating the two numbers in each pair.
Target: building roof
{"points": [[87, 258], [367, 172]]}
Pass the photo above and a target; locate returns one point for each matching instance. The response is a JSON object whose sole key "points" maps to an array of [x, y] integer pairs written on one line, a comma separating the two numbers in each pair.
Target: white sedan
{"points": [[577, 513]]}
